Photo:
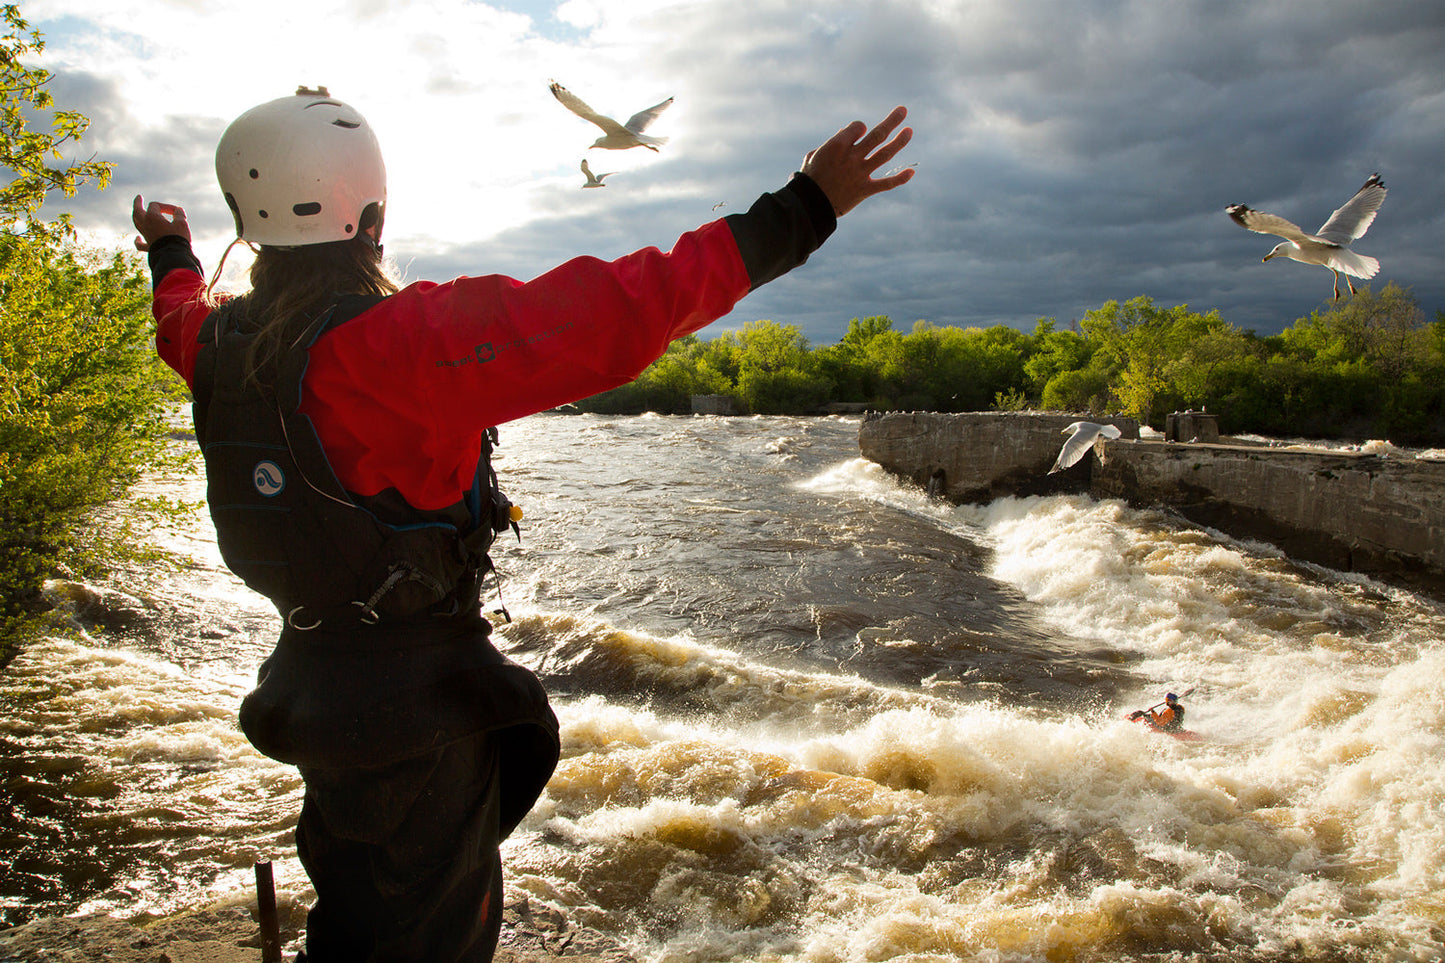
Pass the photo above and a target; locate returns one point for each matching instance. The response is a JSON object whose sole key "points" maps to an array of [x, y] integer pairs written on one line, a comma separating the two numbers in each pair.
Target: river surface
{"points": [[810, 715]]}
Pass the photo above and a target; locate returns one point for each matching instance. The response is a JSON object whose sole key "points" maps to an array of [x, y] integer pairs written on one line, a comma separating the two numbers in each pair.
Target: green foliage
{"points": [[1370, 366], [83, 396], [1153, 356], [1012, 400], [27, 153], [689, 367], [1055, 352], [847, 364], [1084, 389], [83, 404]]}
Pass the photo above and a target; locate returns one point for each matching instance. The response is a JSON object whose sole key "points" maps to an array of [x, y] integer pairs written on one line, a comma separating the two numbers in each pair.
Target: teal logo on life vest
{"points": [[268, 478]]}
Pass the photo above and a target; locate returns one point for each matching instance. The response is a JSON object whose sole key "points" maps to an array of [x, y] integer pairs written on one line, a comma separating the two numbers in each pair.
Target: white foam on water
{"points": [[1310, 822], [713, 807], [151, 758]]}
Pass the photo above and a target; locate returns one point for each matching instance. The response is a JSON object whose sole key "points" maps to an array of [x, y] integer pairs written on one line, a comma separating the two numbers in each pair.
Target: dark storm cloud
{"points": [[174, 158], [1067, 154]]}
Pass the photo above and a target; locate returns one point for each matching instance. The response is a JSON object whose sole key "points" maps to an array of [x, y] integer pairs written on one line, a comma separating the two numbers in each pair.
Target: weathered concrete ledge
{"points": [[1349, 510], [978, 456]]}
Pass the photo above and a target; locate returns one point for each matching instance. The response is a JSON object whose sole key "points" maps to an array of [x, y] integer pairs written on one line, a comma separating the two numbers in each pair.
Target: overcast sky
{"points": [[1068, 153]]}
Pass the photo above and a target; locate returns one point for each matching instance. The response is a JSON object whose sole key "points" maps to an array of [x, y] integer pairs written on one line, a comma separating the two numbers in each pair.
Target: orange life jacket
{"points": [[1170, 718]]}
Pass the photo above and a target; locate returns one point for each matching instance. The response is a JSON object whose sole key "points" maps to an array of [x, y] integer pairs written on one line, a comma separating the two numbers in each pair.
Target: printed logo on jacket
{"points": [[268, 478]]}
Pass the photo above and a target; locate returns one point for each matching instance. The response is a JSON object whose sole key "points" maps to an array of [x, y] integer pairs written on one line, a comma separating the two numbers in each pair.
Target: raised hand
{"points": [[157, 220], [844, 165]]}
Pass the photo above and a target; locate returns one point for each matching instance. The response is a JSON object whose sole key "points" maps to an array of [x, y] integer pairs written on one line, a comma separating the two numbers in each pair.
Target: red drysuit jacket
{"points": [[401, 394]]}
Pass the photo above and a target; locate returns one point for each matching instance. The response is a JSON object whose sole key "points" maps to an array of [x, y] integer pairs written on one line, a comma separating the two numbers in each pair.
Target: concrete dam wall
{"points": [[1348, 510]]}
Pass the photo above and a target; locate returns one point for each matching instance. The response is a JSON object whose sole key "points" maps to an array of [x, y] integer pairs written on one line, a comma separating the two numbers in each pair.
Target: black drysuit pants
{"points": [[404, 858]]}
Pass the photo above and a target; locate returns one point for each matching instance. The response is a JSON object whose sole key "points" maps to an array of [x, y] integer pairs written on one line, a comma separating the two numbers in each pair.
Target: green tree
{"points": [[849, 365], [906, 364], [83, 407], [1053, 352], [991, 364], [1145, 350], [1372, 364], [1369, 365], [1081, 389], [775, 370], [28, 153], [83, 397], [861, 332]]}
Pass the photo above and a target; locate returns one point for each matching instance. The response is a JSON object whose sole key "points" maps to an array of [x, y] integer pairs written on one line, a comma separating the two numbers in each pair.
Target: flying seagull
{"points": [[1330, 246], [594, 180], [615, 136], [1084, 434]]}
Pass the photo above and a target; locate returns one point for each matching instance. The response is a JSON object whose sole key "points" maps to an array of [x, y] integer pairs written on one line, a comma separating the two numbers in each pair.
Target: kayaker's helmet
{"points": [[1171, 697], [304, 169]]}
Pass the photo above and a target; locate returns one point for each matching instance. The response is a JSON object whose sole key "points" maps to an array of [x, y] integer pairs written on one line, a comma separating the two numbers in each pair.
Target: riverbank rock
{"points": [[227, 932]]}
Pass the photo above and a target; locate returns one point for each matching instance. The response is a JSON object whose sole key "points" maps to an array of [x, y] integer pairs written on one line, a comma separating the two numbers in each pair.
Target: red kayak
{"points": [[1183, 735]]}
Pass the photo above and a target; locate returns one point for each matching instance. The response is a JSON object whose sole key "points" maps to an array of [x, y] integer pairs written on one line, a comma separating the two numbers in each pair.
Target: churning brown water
{"points": [[809, 715]]}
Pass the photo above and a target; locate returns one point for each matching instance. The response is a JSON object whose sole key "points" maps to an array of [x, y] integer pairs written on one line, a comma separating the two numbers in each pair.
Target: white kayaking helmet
{"points": [[304, 169]]}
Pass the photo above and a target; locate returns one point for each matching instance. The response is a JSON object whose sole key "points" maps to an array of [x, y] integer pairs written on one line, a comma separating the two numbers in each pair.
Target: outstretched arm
{"points": [[844, 165]]}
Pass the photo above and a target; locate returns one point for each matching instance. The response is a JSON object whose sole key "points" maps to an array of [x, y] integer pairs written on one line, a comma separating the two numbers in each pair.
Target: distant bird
{"points": [[1084, 434], [616, 136], [594, 180], [1330, 246]]}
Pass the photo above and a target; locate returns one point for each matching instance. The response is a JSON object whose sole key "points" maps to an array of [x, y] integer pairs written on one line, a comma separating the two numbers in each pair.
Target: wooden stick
{"points": [[266, 911]]}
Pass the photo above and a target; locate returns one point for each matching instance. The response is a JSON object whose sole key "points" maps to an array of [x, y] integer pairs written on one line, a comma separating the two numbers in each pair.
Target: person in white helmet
{"points": [[347, 427]]}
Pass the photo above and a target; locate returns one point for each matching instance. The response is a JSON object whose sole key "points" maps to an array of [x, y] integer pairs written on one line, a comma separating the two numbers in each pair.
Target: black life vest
{"points": [[286, 525]]}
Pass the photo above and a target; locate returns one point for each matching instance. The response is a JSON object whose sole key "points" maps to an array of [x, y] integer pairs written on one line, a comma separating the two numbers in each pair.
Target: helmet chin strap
{"points": [[219, 267]]}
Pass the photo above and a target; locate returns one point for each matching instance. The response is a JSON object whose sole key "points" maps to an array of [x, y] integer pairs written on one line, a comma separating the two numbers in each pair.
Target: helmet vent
{"points": [[306, 210], [255, 173], [348, 124]]}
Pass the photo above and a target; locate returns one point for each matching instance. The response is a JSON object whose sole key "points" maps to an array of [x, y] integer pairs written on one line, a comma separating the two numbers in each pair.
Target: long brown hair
{"points": [[292, 286]]}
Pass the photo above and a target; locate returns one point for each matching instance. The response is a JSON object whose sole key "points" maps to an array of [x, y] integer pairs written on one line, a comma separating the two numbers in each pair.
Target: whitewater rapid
{"points": [[809, 714]]}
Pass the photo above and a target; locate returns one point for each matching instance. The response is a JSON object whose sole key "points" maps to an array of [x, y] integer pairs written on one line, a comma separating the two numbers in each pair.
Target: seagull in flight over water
{"points": [[1329, 247], [615, 136], [594, 180], [1084, 434]]}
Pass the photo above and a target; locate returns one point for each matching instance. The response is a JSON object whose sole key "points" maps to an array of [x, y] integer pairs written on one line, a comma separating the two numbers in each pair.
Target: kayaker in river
{"points": [[1169, 719], [346, 425]]}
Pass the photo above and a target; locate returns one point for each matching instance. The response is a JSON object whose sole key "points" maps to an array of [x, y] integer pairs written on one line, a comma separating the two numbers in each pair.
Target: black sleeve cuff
{"points": [[820, 209], [170, 253], [781, 229]]}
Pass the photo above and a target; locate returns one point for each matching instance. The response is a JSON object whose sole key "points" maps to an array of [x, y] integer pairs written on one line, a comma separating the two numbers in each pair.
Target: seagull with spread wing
{"points": [[1329, 247], [593, 180], [615, 136], [1081, 439]]}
